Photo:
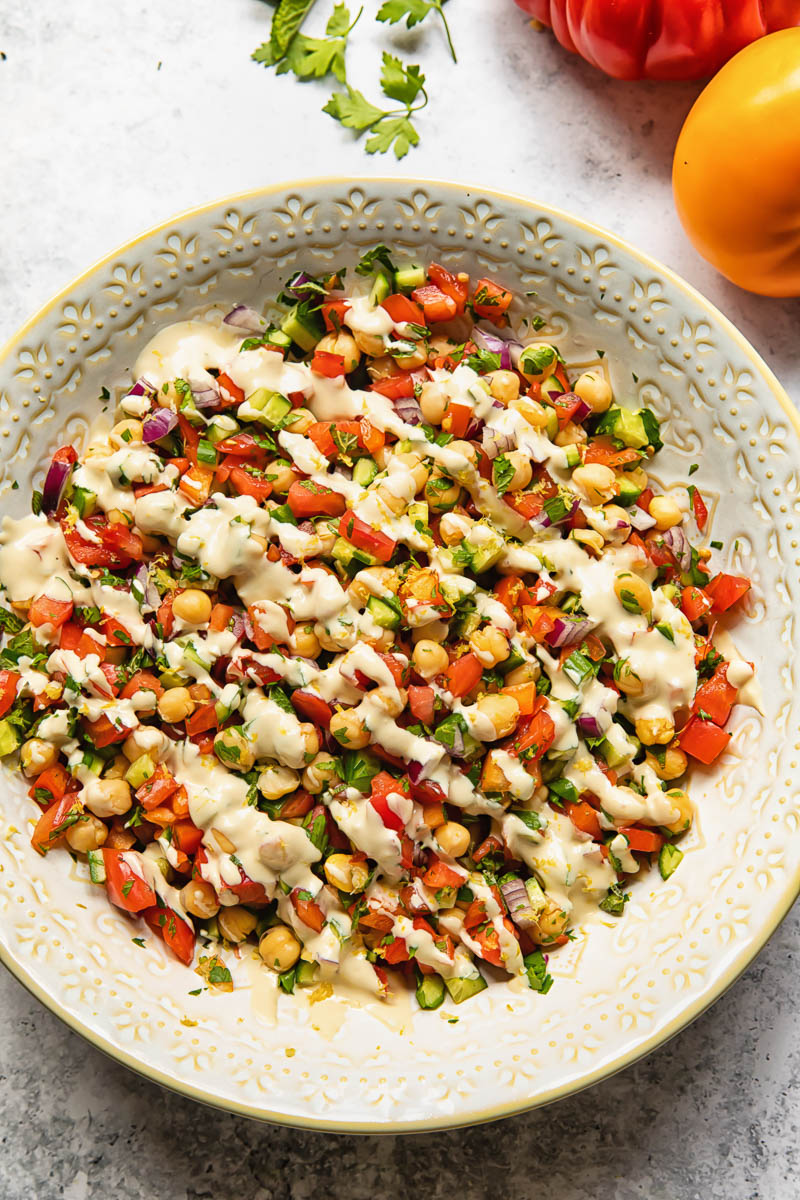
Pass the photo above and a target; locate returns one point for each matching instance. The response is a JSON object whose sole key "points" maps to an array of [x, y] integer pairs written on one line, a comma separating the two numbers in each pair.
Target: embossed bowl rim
{"points": [[768, 923]]}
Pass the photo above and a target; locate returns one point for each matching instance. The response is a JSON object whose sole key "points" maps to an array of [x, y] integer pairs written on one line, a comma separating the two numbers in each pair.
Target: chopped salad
{"points": [[364, 637]]}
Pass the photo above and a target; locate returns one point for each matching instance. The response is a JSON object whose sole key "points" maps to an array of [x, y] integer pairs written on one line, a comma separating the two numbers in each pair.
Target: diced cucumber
{"points": [[304, 327], [485, 545], [277, 337], [85, 501], [515, 659], [536, 896], [365, 471], [97, 866], [272, 408], [551, 428], [669, 859], [9, 738], [572, 456], [140, 771], [629, 493], [462, 989], [626, 425], [452, 733], [306, 973], [283, 513], [221, 427], [171, 679], [224, 710], [381, 288], [552, 387], [430, 991], [347, 554], [191, 652], [408, 277], [383, 613]]}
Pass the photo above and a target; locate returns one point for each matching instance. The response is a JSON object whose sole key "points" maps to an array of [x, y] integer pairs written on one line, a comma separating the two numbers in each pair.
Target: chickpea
{"points": [[598, 483], [504, 386], [305, 642], [637, 476], [528, 672], [454, 527], [146, 740], [299, 420], [429, 659], [349, 730], [390, 699], [533, 412], [276, 781], [193, 606], [489, 645], [233, 749], [453, 838], [36, 756], [236, 923], [117, 768], [333, 641], [395, 504], [310, 740], [673, 766], [373, 344], [419, 470], [665, 512], [383, 367], [550, 923], [502, 711], [175, 705], [417, 358], [89, 833], [284, 476], [372, 582], [523, 472], [433, 401], [466, 449], [441, 492], [345, 872], [320, 771], [655, 731], [382, 641], [117, 517], [594, 390], [107, 797], [125, 433], [199, 898], [633, 593], [223, 841], [590, 538], [571, 435], [279, 948], [343, 344], [618, 523], [679, 800], [627, 679]]}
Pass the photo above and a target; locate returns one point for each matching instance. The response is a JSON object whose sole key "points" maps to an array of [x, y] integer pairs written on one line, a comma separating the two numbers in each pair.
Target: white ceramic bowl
{"points": [[629, 984]]}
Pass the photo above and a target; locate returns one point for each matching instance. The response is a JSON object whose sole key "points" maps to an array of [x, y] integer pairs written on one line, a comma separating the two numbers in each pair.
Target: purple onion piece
{"points": [[473, 429], [160, 422], [677, 542], [238, 626], [298, 286], [205, 394], [142, 387], [589, 725], [248, 626], [580, 413], [496, 345], [152, 600], [457, 749], [640, 519], [566, 632], [416, 771], [244, 317], [518, 903], [495, 443], [57, 475], [408, 410]]}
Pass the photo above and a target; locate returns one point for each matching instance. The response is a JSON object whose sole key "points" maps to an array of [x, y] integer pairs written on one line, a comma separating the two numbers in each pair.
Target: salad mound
{"points": [[363, 636]]}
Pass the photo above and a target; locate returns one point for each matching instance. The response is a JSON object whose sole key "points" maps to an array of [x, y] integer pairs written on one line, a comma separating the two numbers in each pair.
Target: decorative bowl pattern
{"points": [[631, 983]]}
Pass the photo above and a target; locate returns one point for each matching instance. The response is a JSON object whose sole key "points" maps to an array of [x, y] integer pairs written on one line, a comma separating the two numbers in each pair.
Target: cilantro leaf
{"points": [[399, 82], [392, 133], [503, 472], [352, 109]]}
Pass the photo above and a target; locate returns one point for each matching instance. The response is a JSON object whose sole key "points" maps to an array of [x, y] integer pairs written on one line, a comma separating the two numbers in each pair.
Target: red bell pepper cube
{"points": [[364, 537], [176, 933], [725, 590], [55, 821], [704, 740], [125, 888]]}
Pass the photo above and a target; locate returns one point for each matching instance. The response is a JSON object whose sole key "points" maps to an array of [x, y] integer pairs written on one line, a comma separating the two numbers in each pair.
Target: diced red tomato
{"points": [[164, 615], [220, 618], [312, 708], [584, 817], [55, 821], [384, 785], [463, 675], [396, 387], [643, 841], [103, 733], [725, 590], [56, 780], [243, 445], [9, 682], [602, 450], [540, 620], [439, 875], [333, 314], [111, 673], [195, 484], [177, 933], [402, 309], [716, 696], [157, 789], [457, 289], [125, 888], [364, 537], [201, 720], [44, 611], [436, 305], [185, 834], [704, 740], [567, 404], [421, 701], [142, 681], [117, 545], [326, 364], [299, 804], [700, 509], [307, 910], [246, 484], [427, 792], [527, 504], [525, 695], [456, 419], [80, 641], [534, 734], [490, 301], [308, 499], [234, 391], [694, 603]]}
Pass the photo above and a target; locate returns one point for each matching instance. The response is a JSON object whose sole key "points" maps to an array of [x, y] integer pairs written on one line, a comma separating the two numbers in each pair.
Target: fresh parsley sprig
{"points": [[414, 12], [389, 128], [308, 57]]}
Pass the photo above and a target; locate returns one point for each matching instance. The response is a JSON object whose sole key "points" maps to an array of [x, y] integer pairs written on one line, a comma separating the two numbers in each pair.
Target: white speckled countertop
{"points": [[116, 116]]}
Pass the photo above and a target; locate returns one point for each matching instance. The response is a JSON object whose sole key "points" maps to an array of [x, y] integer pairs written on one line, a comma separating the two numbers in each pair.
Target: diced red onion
{"points": [[485, 340], [159, 424], [307, 527], [495, 443], [457, 749], [566, 632], [142, 387], [416, 771], [238, 626], [57, 475], [205, 394], [295, 287], [640, 519], [518, 903], [589, 725], [152, 599], [473, 429], [580, 413], [248, 626], [677, 542], [543, 521], [243, 317], [408, 410]]}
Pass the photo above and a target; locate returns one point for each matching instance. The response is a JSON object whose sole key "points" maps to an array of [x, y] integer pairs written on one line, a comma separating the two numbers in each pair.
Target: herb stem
{"points": [[440, 10]]}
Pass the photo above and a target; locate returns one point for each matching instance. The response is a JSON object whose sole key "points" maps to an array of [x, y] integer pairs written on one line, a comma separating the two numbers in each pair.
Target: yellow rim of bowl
{"points": [[742, 961]]}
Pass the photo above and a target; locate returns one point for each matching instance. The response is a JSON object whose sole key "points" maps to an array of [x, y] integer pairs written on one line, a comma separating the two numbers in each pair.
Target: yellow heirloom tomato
{"points": [[736, 172]]}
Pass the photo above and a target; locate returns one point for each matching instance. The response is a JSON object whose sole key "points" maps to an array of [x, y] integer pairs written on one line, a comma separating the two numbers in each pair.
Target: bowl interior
{"points": [[627, 985]]}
